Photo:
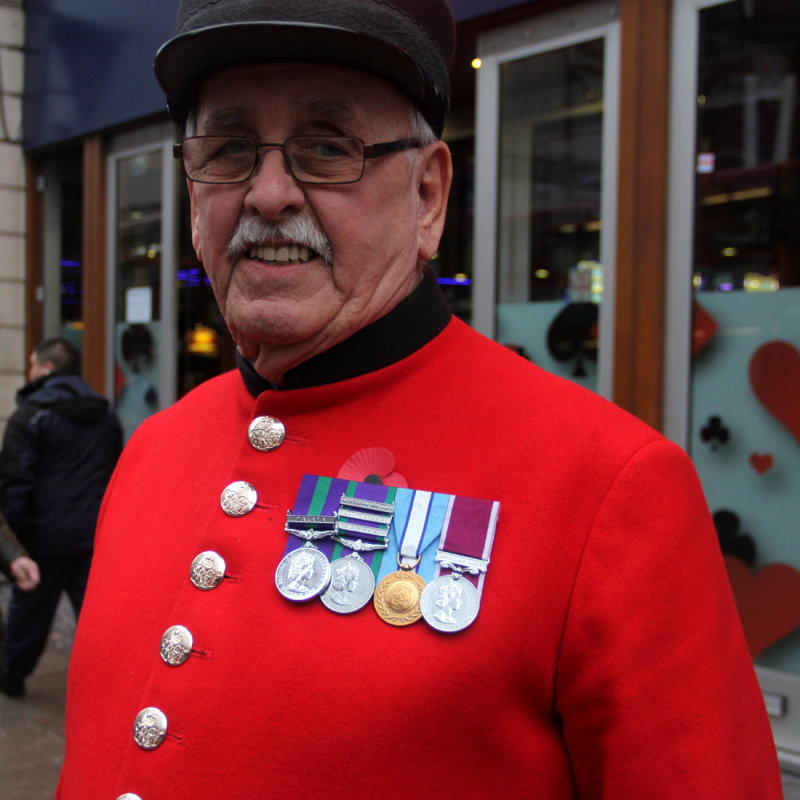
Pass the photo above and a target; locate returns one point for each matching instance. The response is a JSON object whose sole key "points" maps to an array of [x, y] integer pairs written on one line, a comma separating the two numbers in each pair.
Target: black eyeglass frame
{"points": [[369, 151]]}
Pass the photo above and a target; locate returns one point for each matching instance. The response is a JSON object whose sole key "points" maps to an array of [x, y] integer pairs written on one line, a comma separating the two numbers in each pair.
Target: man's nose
{"points": [[273, 191], [266, 148]]}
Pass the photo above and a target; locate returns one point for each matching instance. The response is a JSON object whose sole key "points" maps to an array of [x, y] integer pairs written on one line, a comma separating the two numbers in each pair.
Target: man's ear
{"points": [[434, 187], [193, 216]]}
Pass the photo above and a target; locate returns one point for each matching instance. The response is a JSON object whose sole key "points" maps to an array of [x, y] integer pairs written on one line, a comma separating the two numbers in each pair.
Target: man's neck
{"points": [[404, 330]]}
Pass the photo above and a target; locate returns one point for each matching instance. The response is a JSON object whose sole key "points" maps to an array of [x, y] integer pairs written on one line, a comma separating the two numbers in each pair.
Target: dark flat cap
{"points": [[409, 43]]}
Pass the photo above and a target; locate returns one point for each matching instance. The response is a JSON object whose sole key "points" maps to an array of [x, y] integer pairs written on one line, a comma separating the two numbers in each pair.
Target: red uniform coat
{"points": [[606, 661]]}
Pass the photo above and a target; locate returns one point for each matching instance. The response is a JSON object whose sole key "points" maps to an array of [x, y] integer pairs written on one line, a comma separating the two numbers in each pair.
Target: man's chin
{"points": [[257, 342]]}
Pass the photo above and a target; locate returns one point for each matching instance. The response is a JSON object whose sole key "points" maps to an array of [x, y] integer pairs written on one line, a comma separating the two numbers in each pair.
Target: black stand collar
{"points": [[405, 329]]}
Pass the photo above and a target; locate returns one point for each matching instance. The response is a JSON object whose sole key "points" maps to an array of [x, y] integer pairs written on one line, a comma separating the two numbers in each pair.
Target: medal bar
{"points": [[461, 562], [311, 526], [352, 527], [369, 505], [382, 519], [311, 520]]}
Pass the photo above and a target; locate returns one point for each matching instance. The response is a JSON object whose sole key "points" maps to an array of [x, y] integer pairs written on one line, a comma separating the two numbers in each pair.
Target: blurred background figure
{"points": [[18, 567], [59, 450]]}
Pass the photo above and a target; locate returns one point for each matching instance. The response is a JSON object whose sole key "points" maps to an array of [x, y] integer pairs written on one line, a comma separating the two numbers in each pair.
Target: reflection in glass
{"points": [[71, 277], [746, 278], [549, 283], [205, 347], [453, 261], [137, 306]]}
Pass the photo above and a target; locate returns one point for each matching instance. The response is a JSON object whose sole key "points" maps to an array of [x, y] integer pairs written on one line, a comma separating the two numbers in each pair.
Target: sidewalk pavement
{"points": [[32, 728]]}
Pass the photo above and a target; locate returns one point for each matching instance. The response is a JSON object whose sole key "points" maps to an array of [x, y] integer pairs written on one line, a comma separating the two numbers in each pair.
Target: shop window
{"points": [[743, 262], [168, 334], [453, 262], [204, 346], [545, 191], [138, 332], [62, 278]]}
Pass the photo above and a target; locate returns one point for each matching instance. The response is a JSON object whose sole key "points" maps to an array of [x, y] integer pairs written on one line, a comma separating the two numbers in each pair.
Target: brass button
{"points": [[208, 570], [150, 728], [266, 433], [238, 498], [176, 645]]}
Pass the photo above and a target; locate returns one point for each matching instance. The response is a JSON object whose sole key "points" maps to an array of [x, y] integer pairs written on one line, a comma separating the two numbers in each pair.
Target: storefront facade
{"points": [[626, 213]]}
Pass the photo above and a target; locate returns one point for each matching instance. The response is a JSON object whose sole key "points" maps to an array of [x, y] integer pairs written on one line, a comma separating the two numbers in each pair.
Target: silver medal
{"points": [[449, 603], [303, 574], [352, 585]]}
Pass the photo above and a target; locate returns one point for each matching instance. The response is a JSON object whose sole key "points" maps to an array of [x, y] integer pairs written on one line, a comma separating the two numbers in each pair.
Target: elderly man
{"points": [[594, 650]]}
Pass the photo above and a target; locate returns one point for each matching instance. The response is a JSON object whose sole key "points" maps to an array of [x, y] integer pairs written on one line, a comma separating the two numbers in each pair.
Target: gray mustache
{"points": [[300, 230]]}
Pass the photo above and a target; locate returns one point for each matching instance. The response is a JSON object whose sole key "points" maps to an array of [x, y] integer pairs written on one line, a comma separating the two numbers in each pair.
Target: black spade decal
{"points": [[573, 335], [731, 541]]}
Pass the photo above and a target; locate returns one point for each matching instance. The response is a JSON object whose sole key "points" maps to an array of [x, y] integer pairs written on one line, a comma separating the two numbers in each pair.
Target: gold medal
{"points": [[397, 597]]}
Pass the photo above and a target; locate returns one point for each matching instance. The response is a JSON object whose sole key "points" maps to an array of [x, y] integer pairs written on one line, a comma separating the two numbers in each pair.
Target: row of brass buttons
{"points": [[206, 573]]}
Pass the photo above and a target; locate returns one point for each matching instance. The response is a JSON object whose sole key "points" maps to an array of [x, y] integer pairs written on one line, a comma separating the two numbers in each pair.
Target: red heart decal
{"points": [[768, 602], [704, 326], [775, 378], [761, 463]]}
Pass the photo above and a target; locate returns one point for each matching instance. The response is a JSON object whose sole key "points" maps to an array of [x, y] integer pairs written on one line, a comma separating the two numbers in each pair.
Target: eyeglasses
{"points": [[309, 159]]}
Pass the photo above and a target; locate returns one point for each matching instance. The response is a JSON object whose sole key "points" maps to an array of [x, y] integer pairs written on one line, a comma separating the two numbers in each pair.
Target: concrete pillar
{"points": [[12, 207]]}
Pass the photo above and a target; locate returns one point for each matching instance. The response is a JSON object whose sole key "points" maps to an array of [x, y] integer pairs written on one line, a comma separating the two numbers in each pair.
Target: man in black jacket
{"points": [[15, 563], [59, 450], [18, 567]]}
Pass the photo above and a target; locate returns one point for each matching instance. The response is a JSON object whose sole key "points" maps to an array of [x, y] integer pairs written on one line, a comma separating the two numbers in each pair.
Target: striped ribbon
{"points": [[421, 520]]}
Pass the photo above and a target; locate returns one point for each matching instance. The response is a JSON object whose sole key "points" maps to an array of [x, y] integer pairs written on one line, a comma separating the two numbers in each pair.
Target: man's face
{"points": [[280, 308]]}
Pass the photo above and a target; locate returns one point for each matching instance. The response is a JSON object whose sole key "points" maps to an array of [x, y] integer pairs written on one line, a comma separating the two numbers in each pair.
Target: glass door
{"points": [[142, 301], [166, 332], [734, 312], [545, 191]]}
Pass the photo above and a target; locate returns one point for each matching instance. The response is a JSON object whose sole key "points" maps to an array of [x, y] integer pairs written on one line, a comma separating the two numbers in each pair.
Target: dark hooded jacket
{"points": [[59, 450]]}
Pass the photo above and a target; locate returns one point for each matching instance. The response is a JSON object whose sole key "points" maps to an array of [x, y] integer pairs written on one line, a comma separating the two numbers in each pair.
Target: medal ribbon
{"points": [[461, 525], [468, 531], [418, 520], [320, 496]]}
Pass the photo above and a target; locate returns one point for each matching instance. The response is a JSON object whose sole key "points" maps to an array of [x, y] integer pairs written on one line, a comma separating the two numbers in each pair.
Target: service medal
{"points": [[449, 603], [397, 597], [303, 574], [351, 587]]}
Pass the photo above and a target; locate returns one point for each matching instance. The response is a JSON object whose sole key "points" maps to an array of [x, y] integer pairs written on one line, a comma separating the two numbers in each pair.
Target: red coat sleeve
{"points": [[657, 699]]}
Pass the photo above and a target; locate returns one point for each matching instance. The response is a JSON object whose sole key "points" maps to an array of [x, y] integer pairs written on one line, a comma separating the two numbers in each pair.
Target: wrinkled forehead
{"points": [[229, 116], [343, 97]]}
